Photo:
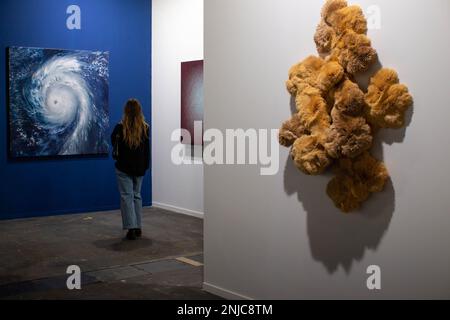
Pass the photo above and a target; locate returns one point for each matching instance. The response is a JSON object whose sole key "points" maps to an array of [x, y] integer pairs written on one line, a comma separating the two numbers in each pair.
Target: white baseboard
{"points": [[176, 209], [224, 293]]}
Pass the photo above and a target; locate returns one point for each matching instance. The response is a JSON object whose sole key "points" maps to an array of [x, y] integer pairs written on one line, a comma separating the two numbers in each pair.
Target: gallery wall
{"points": [[68, 185], [177, 37], [281, 236]]}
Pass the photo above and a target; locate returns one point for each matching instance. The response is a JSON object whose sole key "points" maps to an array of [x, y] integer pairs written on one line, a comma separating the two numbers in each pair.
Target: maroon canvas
{"points": [[192, 98]]}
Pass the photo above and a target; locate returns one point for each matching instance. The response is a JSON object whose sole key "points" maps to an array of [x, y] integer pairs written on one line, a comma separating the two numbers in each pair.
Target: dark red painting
{"points": [[192, 100]]}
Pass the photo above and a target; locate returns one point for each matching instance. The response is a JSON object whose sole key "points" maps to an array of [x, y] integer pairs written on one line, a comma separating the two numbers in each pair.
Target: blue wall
{"points": [[122, 27]]}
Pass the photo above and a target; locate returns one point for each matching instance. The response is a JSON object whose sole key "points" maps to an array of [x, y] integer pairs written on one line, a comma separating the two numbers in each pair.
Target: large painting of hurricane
{"points": [[58, 102]]}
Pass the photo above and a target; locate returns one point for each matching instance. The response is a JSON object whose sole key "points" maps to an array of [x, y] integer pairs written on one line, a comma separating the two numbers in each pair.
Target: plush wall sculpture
{"points": [[335, 120]]}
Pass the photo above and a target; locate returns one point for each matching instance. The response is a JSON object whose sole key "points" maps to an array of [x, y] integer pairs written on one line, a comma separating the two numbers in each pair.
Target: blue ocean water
{"points": [[58, 102]]}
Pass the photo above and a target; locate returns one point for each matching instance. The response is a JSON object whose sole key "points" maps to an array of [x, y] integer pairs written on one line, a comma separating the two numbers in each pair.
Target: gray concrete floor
{"points": [[36, 252]]}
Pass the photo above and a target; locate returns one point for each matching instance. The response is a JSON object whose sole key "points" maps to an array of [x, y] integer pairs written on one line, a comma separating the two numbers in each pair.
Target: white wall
{"points": [[280, 236], [177, 36]]}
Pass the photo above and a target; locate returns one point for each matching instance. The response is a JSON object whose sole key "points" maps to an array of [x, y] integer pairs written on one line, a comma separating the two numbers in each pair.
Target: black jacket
{"points": [[133, 162]]}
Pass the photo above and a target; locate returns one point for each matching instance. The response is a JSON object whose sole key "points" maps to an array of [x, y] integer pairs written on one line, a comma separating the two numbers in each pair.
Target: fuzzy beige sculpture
{"points": [[335, 119]]}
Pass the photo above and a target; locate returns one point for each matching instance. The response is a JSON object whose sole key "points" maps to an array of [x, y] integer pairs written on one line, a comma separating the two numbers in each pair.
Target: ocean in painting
{"points": [[58, 102]]}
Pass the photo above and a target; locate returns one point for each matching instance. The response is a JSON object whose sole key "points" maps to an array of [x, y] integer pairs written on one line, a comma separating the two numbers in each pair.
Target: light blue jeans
{"points": [[130, 200]]}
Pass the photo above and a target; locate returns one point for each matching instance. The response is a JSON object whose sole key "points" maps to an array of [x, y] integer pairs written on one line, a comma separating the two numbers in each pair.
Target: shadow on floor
{"points": [[122, 244]]}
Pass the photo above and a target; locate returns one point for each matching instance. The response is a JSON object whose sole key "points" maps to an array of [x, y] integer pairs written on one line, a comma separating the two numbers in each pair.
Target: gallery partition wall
{"points": [[280, 236], [100, 50], [177, 35]]}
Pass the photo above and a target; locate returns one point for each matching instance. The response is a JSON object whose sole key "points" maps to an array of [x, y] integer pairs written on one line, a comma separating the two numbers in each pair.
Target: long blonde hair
{"points": [[134, 125]]}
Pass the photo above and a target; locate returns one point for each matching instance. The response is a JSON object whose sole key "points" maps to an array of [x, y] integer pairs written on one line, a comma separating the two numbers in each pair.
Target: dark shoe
{"points": [[131, 234], [138, 232]]}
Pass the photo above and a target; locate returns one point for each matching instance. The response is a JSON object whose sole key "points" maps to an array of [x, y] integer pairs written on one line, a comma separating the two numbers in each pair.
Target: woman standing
{"points": [[130, 140]]}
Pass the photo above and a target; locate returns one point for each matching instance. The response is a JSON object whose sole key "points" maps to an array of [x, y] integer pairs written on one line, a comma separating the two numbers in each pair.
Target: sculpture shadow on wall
{"points": [[338, 239]]}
